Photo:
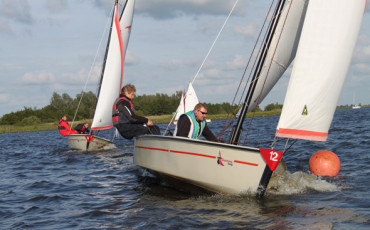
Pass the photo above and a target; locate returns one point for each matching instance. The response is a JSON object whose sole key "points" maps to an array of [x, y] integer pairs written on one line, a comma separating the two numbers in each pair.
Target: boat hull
{"points": [[85, 142], [216, 167]]}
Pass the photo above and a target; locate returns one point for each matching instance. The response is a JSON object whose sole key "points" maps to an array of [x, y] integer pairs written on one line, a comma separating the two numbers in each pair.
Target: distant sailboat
{"points": [[355, 106], [110, 82], [187, 102]]}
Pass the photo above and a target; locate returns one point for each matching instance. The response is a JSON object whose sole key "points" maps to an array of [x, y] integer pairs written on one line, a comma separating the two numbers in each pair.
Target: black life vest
{"points": [[118, 117]]}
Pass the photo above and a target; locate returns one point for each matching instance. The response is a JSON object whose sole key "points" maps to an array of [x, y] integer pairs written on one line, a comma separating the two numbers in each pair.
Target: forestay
{"points": [[324, 54]]}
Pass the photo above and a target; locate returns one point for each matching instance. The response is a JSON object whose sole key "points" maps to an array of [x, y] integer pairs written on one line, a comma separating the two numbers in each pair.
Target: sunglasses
{"points": [[203, 112]]}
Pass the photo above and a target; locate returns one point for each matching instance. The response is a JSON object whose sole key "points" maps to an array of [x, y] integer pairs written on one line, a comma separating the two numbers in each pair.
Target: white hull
{"points": [[242, 169], [80, 142], [356, 107]]}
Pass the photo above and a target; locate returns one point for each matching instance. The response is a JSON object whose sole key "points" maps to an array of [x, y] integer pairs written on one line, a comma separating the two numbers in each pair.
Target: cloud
{"points": [[57, 5], [247, 31], [131, 59], [37, 78], [4, 98], [167, 9], [16, 10], [237, 63]]}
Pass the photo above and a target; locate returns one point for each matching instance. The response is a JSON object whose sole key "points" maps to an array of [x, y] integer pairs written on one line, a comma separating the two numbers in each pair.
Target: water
{"points": [[45, 185]]}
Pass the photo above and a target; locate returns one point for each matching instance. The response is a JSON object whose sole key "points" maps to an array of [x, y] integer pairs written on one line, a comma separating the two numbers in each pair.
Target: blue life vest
{"points": [[195, 130]]}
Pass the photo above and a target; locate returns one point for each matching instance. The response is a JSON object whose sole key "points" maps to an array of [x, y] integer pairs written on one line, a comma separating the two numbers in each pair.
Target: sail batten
{"points": [[322, 61]]}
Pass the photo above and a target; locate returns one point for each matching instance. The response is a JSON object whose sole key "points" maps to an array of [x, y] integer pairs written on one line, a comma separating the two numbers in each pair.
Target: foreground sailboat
{"points": [[110, 82], [321, 35]]}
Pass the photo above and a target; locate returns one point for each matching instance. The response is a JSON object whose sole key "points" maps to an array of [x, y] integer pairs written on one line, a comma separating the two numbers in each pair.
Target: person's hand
{"points": [[150, 123]]}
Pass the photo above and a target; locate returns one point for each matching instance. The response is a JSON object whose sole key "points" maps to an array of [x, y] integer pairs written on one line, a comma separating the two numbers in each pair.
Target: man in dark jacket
{"points": [[82, 128], [128, 123], [193, 124]]}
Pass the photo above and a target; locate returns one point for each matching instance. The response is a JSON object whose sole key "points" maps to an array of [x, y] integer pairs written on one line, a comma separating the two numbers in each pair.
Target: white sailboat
{"points": [[187, 102], [110, 82], [355, 106], [321, 35]]}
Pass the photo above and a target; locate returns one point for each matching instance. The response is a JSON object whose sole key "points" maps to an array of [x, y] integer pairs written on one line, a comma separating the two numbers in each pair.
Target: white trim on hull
{"points": [[80, 142], [216, 167]]}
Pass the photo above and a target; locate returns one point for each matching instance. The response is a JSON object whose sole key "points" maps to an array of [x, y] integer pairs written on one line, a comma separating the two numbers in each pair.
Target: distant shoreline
{"points": [[156, 119]]}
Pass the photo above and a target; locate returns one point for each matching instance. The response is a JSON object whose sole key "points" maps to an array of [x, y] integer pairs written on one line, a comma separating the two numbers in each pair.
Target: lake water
{"points": [[45, 185]]}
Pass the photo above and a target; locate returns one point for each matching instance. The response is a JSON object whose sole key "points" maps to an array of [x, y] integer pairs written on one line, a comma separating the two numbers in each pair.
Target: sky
{"points": [[50, 46]]}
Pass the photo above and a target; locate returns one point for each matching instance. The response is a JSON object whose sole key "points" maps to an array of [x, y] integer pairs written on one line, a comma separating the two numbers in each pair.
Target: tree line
{"points": [[60, 104]]}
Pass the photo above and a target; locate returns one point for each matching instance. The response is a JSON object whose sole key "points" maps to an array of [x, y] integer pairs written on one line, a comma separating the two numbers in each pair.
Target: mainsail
{"points": [[282, 49], [112, 73], [323, 57]]}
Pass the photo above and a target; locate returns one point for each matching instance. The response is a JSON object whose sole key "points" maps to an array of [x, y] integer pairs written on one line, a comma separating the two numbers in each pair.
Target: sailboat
{"points": [[355, 106], [110, 82], [187, 102], [320, 36]]}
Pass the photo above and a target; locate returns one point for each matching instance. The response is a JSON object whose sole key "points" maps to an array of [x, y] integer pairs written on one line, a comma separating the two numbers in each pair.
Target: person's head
{"points": [[200, 111], [64, 117], [128, 91], [86, 125]]}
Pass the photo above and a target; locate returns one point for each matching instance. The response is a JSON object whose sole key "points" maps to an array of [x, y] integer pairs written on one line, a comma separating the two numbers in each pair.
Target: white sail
{"points": [[188, 103], [327, 42], [111, 82], [282, 49]]}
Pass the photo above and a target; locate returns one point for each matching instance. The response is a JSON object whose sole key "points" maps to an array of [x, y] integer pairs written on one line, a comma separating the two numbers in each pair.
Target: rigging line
{"points": [[91, 69], [269, 66], [245, 69], [214, 42]]}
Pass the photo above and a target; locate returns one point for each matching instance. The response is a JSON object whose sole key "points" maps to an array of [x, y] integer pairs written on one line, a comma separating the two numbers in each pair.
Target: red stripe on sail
{"points": [[102, 128], [118, 30], [302, 134]]}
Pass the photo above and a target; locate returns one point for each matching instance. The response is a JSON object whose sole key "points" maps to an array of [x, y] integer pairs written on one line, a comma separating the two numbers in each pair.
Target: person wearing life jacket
{"points": [[83, 128], [124, 118], [193, 124], [64, 128]]}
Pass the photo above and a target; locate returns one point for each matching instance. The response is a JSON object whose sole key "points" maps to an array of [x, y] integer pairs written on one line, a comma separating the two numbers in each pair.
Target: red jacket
{"points": [[64, 128]]}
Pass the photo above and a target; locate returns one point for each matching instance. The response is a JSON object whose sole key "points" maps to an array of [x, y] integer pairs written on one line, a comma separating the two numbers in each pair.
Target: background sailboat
{"points": [[110, 81], [325, 47]]}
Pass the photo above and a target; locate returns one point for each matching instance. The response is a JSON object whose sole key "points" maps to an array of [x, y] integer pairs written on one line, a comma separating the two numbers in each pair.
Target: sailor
{"points": [[82, 128], [124, 118], [64, 128], [193, 124]]}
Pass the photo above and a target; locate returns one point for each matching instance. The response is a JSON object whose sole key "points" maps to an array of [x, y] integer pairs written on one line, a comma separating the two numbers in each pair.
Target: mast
{"points": [[235, 136], [105, 55]]}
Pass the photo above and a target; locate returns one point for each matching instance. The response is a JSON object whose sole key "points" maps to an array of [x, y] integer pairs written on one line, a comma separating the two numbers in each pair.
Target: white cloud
{"points": [[237, 63], [37, 78], [4, 98], [57, 5], [16, 10], [248, 31]]}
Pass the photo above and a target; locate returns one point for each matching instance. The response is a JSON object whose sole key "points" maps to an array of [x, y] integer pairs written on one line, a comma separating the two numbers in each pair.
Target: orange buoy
{"points": [[324, 163]]}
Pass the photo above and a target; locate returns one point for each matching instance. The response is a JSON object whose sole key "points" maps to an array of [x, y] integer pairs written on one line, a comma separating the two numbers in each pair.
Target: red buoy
{"points": [[324, 163]]}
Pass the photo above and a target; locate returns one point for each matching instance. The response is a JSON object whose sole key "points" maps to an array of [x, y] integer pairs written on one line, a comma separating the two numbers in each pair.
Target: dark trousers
{"points": [[129, 131]]}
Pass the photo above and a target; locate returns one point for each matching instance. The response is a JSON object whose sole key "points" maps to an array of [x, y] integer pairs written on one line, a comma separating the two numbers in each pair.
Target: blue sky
{"points": [[50, 45]]}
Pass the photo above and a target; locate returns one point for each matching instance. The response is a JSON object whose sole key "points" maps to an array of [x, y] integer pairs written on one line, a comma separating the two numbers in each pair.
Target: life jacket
{"points": [[82, 130], [118, 117], [195, 130], [64, 128]]}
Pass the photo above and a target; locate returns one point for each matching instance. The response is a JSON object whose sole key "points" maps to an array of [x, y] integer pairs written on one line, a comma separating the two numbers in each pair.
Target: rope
{"points": [[214, 42], [226, 126], [91, 68], [206, 57]]}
